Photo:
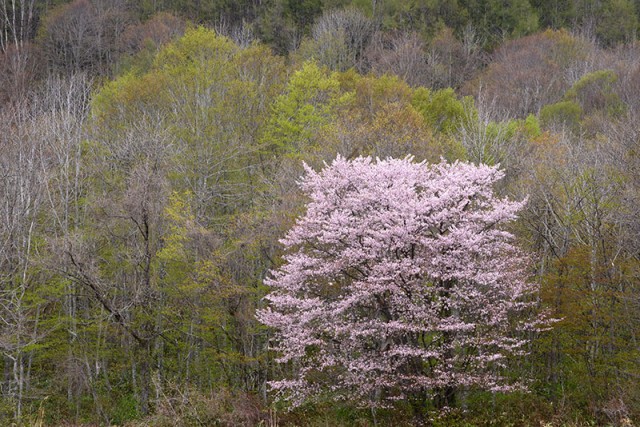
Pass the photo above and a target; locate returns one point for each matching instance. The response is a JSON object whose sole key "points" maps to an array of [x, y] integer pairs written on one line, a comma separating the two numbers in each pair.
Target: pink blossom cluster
{"points": [[399, 279]]}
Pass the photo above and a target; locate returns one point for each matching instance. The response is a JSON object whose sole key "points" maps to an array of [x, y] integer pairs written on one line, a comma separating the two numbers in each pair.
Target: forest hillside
{"points": [[174, 174]]}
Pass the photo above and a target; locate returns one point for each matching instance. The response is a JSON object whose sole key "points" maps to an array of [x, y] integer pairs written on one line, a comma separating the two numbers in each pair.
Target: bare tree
{"points": [[21, 203], [339, 39], [160, 29], [403, 54], [83, 35], [18, 56], [40, 188], [17, 23]]}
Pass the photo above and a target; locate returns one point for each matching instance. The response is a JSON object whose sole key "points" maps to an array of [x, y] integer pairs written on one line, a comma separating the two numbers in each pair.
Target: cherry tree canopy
{"points": [[399, 280]]}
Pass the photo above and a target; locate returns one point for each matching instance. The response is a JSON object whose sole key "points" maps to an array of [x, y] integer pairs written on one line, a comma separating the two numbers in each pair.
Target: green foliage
{"points": [[442, 109], [125, 409], [618, 22], [198, 47], [566, 48], [309, 104], [555, 14], [303, 12], [211, 98], [531, 127], [425, 17], [121, 99], [176, 260], [496, 17], [595, 92], [566, 113], [372, 93]]}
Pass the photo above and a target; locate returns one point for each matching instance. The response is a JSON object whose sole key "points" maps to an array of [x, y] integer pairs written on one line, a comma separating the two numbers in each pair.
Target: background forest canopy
{"points": [[150, 157]]}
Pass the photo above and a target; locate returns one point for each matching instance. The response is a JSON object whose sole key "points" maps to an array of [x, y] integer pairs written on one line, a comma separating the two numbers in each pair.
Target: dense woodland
{"points": [[150, 158]]}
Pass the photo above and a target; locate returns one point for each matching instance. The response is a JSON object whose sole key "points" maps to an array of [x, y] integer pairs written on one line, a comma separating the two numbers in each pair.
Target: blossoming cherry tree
{"points": [[399, 281]]}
